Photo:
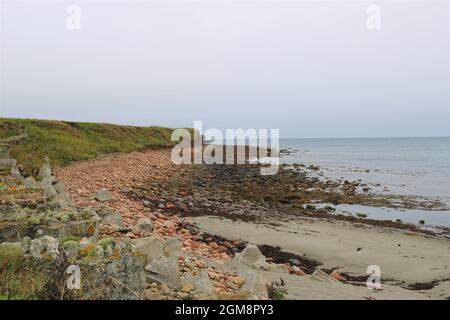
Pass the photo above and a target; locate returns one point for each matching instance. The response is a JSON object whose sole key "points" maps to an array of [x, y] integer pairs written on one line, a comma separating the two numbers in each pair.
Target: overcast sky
{"points": [[309, 68]]}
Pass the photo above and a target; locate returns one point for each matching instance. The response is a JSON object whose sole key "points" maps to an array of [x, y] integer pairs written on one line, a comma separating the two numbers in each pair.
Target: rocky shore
{"points": [[140, 227]]}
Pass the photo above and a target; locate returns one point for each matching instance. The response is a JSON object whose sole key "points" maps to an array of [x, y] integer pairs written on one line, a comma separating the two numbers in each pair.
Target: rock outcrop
{"points": [[154, 259]]}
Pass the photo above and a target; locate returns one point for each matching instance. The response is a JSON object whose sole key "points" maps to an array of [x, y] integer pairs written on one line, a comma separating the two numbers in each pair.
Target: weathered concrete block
{"points": [[255, 285], [172, 246], [114, 218], [166, 269], [251, 256], [200, 281], [151, 247], [14, 231], [45, 172], [84, 228], [145, 224]]}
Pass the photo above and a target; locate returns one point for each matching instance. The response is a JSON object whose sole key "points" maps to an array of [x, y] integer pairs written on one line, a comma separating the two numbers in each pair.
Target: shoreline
{"points": [[241, 206]]}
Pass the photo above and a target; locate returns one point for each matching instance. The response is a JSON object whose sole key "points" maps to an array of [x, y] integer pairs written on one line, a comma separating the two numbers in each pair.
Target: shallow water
{"points": [[401, 166], [431, 218]]}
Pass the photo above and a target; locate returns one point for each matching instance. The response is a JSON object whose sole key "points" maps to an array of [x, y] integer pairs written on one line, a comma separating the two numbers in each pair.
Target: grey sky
{"points": [[310, 68]]}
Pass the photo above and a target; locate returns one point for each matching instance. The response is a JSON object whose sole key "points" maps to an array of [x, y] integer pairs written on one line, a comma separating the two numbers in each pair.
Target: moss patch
{"points": [[70, 238]]}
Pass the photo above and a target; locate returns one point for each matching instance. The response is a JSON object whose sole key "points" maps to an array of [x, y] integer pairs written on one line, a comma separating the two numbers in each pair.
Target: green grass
{"points": [[66, 142], [20, 280]]}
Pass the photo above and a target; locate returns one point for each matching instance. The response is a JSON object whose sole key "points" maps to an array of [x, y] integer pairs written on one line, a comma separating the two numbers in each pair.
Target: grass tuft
{"points": [[18, 278]]}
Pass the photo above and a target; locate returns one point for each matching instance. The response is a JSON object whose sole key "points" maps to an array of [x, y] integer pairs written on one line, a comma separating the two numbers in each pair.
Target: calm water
{"points": [[405, 166]]}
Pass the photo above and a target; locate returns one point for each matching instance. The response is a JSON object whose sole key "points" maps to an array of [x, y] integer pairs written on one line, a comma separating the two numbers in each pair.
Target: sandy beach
{"points": [[414, 263], [406, 259]]}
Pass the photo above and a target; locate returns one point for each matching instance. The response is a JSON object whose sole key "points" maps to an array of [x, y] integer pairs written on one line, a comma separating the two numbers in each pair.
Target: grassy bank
{"points": [[66, 142]]}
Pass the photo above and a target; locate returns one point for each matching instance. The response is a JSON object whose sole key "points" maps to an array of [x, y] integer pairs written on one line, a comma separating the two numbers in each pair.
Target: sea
{"points": [[417, 167]]}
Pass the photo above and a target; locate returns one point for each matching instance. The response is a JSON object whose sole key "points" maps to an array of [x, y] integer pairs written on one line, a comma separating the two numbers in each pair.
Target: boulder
{"points": [[172, 246], [145, 224], [200, 282], [45, 172], [51, 245], [120, 278], [49, 192], [165, 269], [103, 195], [151, 247], [113, 219]]}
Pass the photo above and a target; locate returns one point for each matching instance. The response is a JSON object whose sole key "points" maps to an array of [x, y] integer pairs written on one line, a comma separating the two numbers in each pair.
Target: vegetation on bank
{"points": [[66, 142], [18, 278]]}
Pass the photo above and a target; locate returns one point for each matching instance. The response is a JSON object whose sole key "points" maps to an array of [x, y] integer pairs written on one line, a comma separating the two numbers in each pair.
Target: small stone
{"points": [[295, 269], [168, 224], [238, 280], [188, 287], [151, 295], [336, 275], [147, 203], [165, 288], [294, 262], [183, 295]]}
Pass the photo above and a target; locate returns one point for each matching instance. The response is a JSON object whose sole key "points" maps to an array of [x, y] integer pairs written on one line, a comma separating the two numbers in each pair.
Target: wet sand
{"points": [[406, 259]]}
